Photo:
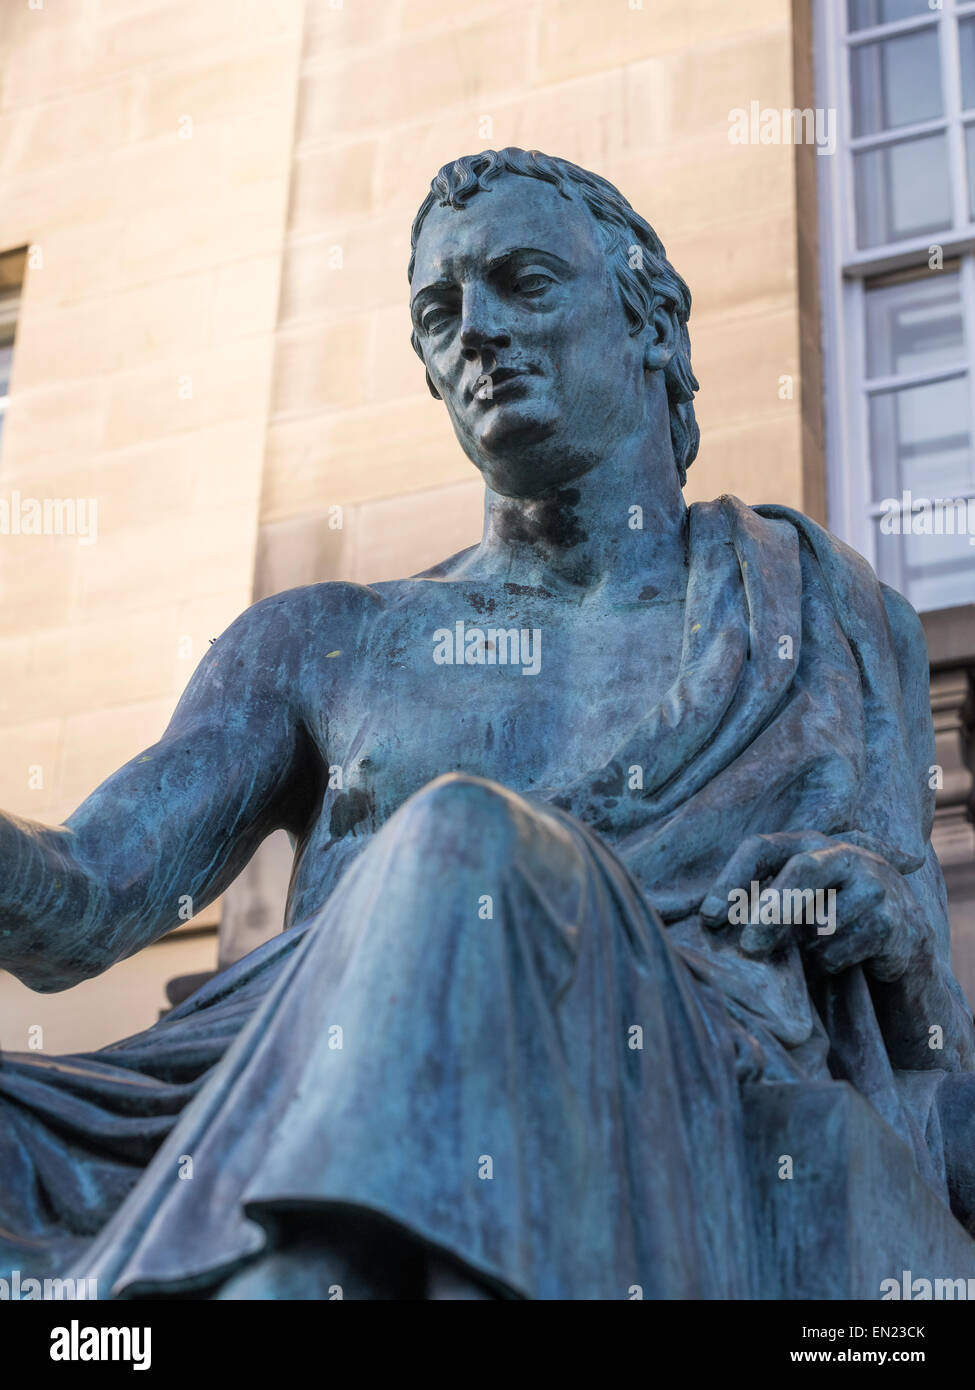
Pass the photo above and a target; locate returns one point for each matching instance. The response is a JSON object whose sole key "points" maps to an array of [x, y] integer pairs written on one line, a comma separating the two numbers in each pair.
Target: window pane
{"points": [[914, 326], [895, 82], [864, 14], [970, 168], [966, 49], [948, 549], [920, 440], [920, 443], [939, 577], [941, 590], [902, 190]]}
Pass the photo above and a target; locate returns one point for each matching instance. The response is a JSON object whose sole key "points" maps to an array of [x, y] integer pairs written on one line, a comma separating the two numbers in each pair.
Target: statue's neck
{"points": [[620, 527]]}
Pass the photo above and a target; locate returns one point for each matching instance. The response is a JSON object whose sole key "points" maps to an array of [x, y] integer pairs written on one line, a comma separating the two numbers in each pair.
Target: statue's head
{"points": [[548, 318]]}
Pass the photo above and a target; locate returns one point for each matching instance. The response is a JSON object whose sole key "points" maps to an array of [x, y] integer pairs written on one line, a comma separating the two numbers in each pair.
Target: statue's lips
{"points": [[504, 382]]}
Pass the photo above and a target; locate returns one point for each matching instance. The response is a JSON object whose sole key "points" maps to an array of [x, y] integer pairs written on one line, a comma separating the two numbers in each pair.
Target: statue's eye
{"points": [[532, 284], [436, 317]]}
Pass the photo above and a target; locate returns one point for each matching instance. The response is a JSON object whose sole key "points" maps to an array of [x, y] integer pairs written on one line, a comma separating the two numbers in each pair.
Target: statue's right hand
{"points": [[817, 883], [756, 860]]}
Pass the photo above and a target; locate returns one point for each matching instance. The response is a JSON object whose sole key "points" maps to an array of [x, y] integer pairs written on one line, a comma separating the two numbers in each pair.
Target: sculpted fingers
{"points": [[857, 941], [847, 905], [755, 860], [844, 902], [815, 892]]}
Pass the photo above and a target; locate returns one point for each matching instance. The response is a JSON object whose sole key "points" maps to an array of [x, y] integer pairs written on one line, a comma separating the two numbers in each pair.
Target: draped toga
{"points": [[549, 1093]]}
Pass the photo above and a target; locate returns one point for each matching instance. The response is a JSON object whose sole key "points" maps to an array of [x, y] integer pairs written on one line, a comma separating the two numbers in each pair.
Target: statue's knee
{"points": [[459, 824], [459, 805], [461, 793]]}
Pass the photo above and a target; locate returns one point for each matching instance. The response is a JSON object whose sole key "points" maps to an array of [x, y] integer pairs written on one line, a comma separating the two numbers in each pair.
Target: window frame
{"points": [[9, 313], [845, 270], [13, 266]]}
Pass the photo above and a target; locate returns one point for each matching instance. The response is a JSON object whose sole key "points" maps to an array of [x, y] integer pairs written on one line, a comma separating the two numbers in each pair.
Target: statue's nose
{"points": [[481, 325]]}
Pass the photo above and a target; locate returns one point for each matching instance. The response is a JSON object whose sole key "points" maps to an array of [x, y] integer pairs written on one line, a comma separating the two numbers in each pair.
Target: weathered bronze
{"points": [[598, 825]]}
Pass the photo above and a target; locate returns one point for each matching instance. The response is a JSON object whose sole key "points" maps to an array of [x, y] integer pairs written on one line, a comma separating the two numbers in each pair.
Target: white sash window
{"points": [[897, 243]]}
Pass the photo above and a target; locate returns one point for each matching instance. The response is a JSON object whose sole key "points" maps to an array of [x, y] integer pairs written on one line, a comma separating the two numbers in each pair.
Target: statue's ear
{"points": [[661, 337], [433, 390]]}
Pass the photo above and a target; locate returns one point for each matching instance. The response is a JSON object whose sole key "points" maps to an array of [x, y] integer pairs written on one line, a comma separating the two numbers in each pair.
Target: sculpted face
{"points": [[525, 336]]}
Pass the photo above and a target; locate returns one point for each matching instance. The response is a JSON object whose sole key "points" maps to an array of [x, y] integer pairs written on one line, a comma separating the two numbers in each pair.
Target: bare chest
{"points": [[525, 695]]}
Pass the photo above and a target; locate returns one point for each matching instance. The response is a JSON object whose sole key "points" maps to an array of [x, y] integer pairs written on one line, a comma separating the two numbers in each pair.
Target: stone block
{"points": [[230, 84], [38, 575], [346, 270], [399, 536], [321, 366], [330, 183], [578, 36], [707, 80], [192, 391], [319, 460], [401, 81], [759, 461], [181, 238], [747, 270], [685, 186], [25, 749], [765, 348], [64, 419]]}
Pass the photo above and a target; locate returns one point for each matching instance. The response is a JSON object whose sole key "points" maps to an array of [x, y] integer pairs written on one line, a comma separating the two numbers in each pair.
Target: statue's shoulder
{"points": [[839, 557], [853, 579], [283, 627]]}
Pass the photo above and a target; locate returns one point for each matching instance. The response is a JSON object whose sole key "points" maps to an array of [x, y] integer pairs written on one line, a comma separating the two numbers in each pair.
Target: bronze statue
{"points": [[499, 1048]]}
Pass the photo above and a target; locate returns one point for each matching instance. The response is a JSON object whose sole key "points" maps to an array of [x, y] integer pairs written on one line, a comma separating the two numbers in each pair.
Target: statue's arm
{"points": [[172, 828], [924, 1015], [894, 922]]}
